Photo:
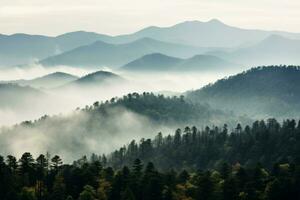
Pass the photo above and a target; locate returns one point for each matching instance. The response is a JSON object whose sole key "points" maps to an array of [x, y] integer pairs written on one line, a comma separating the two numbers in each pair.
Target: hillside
{"points": [[274, 50], [104, 126], [14, 96], [211, 35], [155, 62], [263, 91], [192, 148], [259, 162], [160, 62], [114, 55], [48, 81], [19, 49], [96, 79]]}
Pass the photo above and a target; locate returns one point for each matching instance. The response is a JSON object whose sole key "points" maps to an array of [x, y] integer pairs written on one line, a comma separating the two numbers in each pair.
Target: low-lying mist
{"points": [[66, 99], [71, 133], [78, 134]]}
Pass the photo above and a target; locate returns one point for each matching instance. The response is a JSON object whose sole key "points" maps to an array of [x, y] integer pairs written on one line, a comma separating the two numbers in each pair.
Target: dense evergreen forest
{"points": [[261, 92], [163, 109], [192, 149], [158, 108], [108, 125], [46, 178], [260, 162]]}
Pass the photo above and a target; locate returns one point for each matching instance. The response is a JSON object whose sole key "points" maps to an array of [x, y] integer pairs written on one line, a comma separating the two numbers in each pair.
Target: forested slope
{"points": [[268, 91]]}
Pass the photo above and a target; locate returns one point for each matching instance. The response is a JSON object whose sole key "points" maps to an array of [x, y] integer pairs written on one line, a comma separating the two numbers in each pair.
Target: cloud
{"points": [[78, 133]]}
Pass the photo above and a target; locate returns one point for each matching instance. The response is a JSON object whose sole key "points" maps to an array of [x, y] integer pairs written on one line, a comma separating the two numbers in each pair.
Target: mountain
{"points": [[260, 92], [115, 55], [206, 62], [105, 126], [273, 50], [192, 149], [48, 81], [213, 33], [23, 48], [76, 39], [153, 62], [160, 62], [14, 96], [98, 78]]}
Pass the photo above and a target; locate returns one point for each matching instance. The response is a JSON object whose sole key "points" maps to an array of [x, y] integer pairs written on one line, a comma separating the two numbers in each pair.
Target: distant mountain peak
{"points": [[59, 74], [201, 56], [158, 61], [215, 21], [196, 22], [79, 34], [156, 55], [98, 75], [275, 37]]}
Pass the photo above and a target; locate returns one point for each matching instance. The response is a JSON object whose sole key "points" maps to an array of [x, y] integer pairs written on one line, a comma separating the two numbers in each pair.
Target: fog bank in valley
{"points": [[66, 99], [72, 133], [76, 134]]}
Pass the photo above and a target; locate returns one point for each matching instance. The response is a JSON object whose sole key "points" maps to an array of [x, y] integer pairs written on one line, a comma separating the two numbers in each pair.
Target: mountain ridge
{"points": [[268, 91], [193, 33], [161, 62]]}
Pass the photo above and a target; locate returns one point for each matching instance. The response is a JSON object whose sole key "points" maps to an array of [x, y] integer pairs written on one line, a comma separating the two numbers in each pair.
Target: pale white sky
{"points": [[52, 17]]}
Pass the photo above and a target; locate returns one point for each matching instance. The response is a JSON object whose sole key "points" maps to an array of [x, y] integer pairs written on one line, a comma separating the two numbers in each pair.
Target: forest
{"points": [[260, 162], [259, 92], [192, 149]]}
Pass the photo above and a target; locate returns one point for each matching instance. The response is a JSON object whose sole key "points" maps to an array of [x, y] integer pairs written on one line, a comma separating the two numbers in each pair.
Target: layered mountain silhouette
{"points": [[23, 48], [260, 92], [105, 54], [48, 81], [273, 50], [96, 79], [14, 96], [213, 33], [161, 62]]}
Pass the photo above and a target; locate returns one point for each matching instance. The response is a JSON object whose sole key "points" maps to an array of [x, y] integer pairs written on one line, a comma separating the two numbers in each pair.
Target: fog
{"points": [[67, 99], [76, 134], [76, 137], [35, 70]]}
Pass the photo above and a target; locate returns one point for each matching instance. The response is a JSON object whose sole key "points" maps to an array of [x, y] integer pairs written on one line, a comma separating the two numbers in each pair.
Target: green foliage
{"points": [[88, 193], [232, 178], [263, 142], [259, 92], [161, 109]]}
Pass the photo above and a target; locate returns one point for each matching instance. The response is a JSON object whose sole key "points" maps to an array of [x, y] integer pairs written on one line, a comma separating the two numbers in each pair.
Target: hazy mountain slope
{"points": [[96, 78], [160, 62], [206, 63], [48, 81], [103, 127], [14, 96], [273, 50], [264, 91], [213, 33], [72, 40], [114, 55], [23, 48], [152, 62]]}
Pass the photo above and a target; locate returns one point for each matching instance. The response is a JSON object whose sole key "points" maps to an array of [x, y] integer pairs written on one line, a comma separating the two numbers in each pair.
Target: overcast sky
{"points": [[52, 17]]}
